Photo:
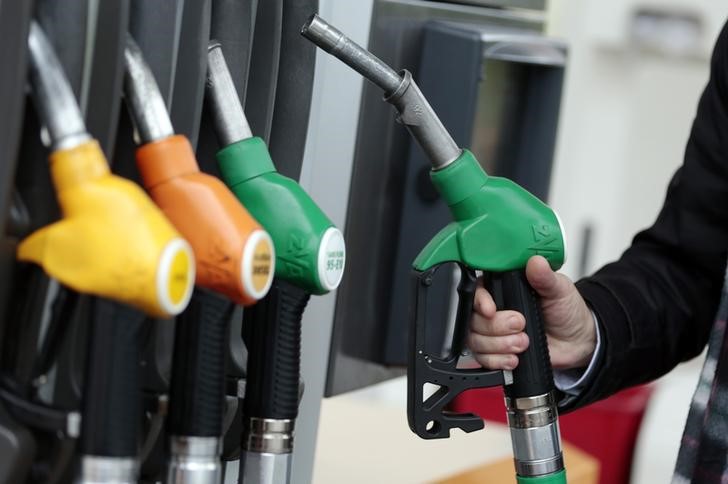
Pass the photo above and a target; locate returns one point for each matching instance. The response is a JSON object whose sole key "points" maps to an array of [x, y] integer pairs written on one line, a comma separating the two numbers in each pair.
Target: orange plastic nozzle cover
{"points": [[204, 210]]}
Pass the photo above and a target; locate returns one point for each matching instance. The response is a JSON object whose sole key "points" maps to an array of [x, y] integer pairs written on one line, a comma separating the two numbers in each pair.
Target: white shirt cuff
{"points": [[573, 381]]}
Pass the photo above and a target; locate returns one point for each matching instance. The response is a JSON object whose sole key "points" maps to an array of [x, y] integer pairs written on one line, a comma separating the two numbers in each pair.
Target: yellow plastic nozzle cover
{"points": [[112, 240]]}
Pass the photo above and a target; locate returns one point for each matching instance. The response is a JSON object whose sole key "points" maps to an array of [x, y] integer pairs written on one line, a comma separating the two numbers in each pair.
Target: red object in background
{"points": [[606, 430]]}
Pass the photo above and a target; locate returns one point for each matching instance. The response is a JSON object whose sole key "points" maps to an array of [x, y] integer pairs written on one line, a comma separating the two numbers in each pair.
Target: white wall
{"points": [[625, 120]]}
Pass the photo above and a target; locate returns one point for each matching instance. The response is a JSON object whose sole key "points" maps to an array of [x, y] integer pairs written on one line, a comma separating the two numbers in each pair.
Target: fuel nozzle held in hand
{"points": [[497, 227], [235, 255], [112, 241], [310, 256]]}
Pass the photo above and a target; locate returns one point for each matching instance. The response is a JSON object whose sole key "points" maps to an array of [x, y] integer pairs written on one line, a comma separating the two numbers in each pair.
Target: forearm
{"points": [[653, 311]]}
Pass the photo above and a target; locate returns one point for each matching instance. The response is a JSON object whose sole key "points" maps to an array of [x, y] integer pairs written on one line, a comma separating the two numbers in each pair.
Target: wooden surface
{"points": [[361, 441], [581, 468]]}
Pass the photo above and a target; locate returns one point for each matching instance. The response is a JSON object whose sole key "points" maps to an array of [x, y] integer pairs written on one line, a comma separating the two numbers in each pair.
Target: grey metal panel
{"points": [[528, 4], [378, 173], [325, 173]]}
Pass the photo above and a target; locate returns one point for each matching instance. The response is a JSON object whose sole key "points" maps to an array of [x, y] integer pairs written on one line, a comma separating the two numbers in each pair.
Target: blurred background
{"points": [[587, 104], [634, 74]]}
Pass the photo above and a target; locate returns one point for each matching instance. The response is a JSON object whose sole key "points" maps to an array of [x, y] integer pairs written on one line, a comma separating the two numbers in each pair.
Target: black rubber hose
{"points": [[264, 61], [61, 315], [191, 69], [294, 90], [111, 394], [272, 334], [233, 24], [197, 390]]}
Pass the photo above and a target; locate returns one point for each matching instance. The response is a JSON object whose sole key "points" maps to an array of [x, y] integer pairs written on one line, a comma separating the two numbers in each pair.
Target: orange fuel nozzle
{"points": [[235, 255]]}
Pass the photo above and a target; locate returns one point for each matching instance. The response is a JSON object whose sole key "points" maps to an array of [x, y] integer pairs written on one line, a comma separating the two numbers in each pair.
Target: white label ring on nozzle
{"points": [[259, 244], [331, 259], [165, 280]]}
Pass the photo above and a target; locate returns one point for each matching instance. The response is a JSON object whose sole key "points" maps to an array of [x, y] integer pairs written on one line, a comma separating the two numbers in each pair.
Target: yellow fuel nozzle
{"points": [[112, 241]]}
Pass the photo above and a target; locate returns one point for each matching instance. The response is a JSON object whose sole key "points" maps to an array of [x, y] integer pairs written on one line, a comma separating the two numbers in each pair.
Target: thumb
{"points": [[544, 280]]}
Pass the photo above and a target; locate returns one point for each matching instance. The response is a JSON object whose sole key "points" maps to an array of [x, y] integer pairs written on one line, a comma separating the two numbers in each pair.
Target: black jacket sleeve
{"points": [[656, 304]]}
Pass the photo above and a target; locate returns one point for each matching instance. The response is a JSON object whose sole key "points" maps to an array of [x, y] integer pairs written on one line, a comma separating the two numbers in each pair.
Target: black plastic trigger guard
{"points": [[429, 418]]}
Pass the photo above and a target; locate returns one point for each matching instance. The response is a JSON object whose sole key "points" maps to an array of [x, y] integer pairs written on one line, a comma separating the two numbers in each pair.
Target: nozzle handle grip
{"points": [[197, 387], [533, 375], [112, 396], [272, 334]]}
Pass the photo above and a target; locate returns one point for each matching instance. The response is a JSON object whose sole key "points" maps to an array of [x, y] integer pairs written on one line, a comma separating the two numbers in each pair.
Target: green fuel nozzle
{"points": [[310, 250], [497, 227], [310, 257]]}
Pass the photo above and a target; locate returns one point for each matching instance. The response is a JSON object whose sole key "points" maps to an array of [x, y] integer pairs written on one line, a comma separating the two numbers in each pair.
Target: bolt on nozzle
{"points": [[52, 95], [399, 90], [145, 102], [228, 116]]}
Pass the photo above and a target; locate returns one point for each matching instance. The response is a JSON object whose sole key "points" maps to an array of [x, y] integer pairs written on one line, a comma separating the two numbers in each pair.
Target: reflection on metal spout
{"points": [[194, 460], [53, 98], [145, 102], [333, 41], [264, 468], [228, 117], [105, 470]]}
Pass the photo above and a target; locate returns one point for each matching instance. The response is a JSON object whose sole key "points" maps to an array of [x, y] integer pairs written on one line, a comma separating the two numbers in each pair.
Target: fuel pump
{"points": [[235, 258], [497, 226], [310, 255], [112, 242]]}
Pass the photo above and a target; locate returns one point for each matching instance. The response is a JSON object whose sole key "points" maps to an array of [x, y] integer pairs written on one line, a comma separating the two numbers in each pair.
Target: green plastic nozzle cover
{"points": [[310, 250], [555, 478], [497, 224]]}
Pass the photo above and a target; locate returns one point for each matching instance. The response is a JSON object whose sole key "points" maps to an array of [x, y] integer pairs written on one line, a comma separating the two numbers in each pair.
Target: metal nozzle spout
{"points": [[53, 98], [145, 102], [229, 119], [333, 41], [400, 90]]}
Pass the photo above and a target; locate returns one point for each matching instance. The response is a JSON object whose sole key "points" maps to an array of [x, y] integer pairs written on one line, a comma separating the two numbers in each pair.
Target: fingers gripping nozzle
{"points": [[112, 241]]}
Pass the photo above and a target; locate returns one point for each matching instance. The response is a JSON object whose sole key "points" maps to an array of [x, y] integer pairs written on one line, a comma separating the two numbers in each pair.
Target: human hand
{"points": [[497, 337]]}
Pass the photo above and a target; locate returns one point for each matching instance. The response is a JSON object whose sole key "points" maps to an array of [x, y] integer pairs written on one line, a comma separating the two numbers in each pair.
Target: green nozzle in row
{"points": [[310, 250]]}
